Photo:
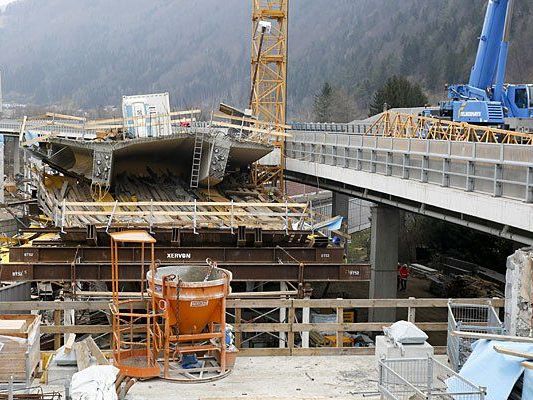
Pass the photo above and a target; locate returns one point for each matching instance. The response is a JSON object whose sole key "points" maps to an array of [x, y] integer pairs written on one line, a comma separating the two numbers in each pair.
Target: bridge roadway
{"points": [[485, 186]]}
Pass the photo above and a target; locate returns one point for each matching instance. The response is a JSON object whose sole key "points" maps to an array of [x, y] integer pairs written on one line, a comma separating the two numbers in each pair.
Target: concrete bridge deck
{"points": [[486, 186]]}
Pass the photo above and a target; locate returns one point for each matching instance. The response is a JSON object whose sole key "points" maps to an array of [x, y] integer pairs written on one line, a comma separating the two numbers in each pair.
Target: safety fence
{"points": [[284, 322]]}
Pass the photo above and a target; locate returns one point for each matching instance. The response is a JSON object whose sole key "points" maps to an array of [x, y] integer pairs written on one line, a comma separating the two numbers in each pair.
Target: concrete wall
{"points": [[519, 293]]}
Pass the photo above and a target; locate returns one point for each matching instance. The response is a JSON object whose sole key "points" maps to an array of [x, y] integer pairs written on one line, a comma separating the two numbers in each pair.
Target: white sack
{"points": [[94, 383]]}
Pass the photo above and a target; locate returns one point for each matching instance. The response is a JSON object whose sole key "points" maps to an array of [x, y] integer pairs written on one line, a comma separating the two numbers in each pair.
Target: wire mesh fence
{"points": [[474, 318], [423, 378]]}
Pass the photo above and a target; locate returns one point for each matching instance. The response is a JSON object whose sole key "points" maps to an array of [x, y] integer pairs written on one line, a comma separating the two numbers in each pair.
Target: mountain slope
{"points": [[91, 52]]}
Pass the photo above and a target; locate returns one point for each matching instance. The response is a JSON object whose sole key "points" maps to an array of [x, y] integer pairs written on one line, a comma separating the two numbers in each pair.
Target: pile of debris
{"points": [[463, 286]]}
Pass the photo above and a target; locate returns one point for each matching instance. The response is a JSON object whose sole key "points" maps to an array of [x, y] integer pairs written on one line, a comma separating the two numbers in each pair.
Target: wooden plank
{"points": [[259, 303], [527, 364], [94, 305], [509, 352], [260, 327], [363, 326], [318, 351], [57, 323], [95, 351], [411, 312], [250, 120], [264, 352], [83, 358], [290, 335], [389, 303], [78, 305], [265, 327], [250, 129], [181, 204], [64, 116], [237, 326], [339, 338], [473, 335], [12, 326], [84, 329], [69, 342]]}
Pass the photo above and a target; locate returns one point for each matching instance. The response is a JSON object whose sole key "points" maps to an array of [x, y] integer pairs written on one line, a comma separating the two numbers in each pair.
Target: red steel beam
{"points": [[244, 271]]}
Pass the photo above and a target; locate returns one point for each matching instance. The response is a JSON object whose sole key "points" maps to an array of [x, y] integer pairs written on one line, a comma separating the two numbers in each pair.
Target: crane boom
{"points": [[484, 70], [504, 53]]}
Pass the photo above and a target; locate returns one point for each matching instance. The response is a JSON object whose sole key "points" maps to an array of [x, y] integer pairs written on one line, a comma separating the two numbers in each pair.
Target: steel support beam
{"points": [[131, 272]]}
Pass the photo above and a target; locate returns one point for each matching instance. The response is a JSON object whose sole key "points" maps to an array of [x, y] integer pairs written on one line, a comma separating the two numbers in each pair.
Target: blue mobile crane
{"points": [[486, 99]]}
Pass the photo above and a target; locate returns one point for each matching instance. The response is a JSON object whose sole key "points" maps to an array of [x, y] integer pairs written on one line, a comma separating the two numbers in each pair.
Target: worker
{"points": [[403, 274]]}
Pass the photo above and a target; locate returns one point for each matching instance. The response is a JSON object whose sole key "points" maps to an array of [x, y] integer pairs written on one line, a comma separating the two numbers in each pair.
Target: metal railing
{"points": [[193, 213], [424, 378], [500, 170], [464, 317], [330, 127]]}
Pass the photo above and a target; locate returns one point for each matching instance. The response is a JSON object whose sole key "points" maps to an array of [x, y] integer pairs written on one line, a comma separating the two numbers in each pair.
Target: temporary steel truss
{"points": [[393, 124]]}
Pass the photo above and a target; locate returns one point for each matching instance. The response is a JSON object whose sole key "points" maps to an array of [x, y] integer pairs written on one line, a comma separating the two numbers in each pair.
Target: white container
{"points": [[385, 348], [147, 115]]}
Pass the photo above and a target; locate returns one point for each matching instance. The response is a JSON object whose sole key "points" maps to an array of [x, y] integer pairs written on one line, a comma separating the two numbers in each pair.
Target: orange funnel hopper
{"points": [[192, 300]]}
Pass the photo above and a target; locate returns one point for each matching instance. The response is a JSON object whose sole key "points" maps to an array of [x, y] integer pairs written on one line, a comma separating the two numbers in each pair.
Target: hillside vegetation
{"points": [[90, 52]]}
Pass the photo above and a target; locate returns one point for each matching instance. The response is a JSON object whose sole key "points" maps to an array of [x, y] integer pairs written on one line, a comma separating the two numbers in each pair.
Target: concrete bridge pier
{"points": [[384, 259], [340, 205]]}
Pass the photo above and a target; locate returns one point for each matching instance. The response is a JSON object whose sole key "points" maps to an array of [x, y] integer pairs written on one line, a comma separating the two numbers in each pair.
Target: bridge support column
{"points": [[341, 206], [384, 260]]}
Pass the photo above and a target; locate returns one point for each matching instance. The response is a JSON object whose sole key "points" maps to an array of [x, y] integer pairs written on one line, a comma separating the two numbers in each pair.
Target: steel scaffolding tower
{"points": [[268, 98]]}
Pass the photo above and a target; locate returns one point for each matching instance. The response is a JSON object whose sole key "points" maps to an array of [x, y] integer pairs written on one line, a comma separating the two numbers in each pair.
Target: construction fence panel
{"points": [[423, 378], [476, 318]]}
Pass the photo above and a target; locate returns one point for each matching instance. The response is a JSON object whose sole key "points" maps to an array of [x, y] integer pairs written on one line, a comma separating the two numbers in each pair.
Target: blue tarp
{"points": [[527, 393], [497, 372], [335, 225]]}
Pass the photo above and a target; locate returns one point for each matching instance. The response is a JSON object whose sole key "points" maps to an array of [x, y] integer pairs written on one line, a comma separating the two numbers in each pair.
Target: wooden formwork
{"points": [[19, 347]]}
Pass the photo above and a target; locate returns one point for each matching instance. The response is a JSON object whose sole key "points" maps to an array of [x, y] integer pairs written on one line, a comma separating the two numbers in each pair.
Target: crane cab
{"points": [[519, 101]]}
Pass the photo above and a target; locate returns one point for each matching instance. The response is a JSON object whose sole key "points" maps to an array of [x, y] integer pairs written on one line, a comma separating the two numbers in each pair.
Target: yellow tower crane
{"points": [[268, 94]]}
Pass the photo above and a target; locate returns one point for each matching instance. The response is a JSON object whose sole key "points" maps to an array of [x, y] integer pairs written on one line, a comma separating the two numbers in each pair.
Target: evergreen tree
{"points": [[322, 108], [397, 92]]}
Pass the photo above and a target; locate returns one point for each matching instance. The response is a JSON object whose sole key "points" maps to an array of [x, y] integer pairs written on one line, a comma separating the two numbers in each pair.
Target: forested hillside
{"points": [[91, 52]]}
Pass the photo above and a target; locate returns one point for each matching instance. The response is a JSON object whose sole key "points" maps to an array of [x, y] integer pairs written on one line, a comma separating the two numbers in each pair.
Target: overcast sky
{"points": [[4, 2]]}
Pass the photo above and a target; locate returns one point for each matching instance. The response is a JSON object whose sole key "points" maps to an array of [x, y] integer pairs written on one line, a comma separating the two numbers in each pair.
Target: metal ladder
{"points": [[197, 158]]}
